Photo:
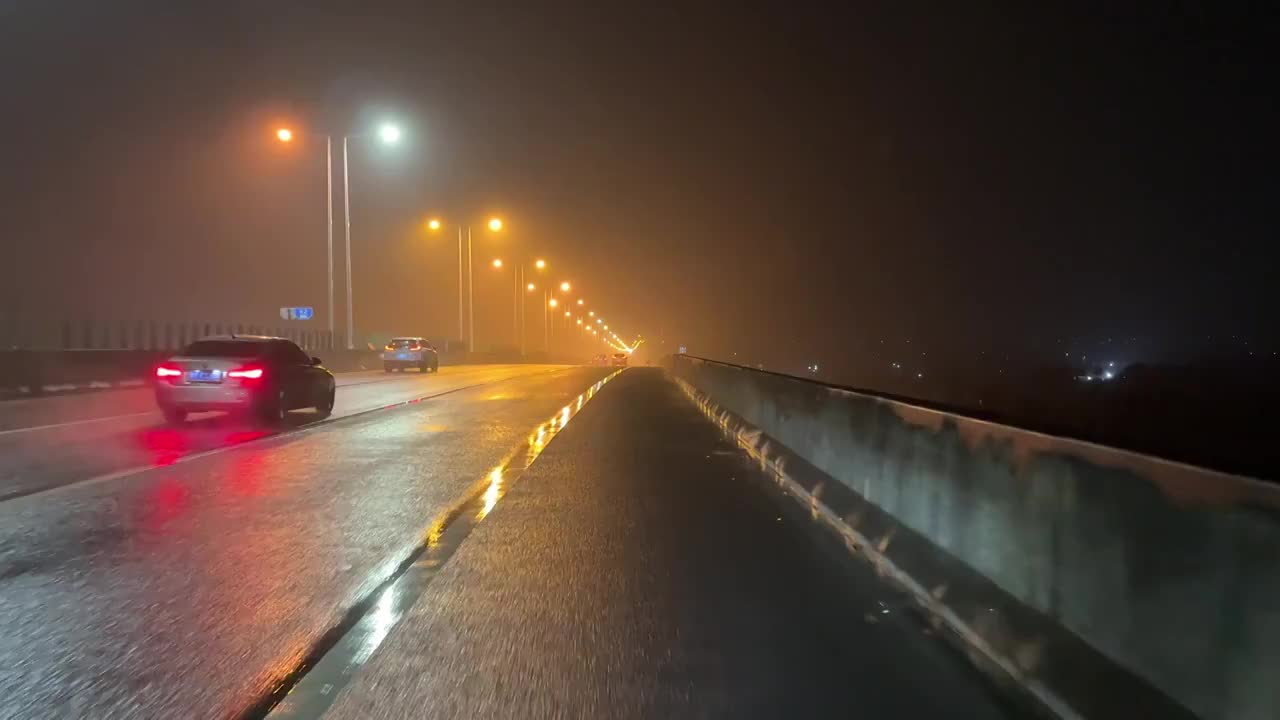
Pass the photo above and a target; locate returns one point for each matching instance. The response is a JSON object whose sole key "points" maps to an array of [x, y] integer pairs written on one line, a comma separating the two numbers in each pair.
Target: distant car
{"points": [[619, 360], [266, 376], [410, 352]]}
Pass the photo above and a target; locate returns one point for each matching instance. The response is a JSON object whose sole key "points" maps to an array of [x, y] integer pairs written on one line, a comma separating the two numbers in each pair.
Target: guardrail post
{"points": [[86, 334]]}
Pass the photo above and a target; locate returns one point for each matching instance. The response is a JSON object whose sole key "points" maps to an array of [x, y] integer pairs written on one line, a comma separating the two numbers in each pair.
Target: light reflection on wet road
{"points": [[86, 440], [191, 589]]}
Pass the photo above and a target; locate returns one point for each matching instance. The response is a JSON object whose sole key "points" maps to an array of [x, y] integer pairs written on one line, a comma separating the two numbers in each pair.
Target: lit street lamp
{"points": [[390, 135], [494, 224]]}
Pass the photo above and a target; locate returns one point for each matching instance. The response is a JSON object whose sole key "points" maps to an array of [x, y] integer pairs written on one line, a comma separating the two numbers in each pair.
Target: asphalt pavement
{"points": [[640, 568], [190, 585], [50, 442]]}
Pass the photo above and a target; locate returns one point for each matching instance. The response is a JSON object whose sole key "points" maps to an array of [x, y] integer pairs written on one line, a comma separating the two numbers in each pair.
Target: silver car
{"points": [[410, 352], [266, 376]]}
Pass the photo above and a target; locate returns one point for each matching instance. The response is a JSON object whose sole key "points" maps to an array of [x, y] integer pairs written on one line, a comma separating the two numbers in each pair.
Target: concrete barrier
{"points": [[1113, 584]]}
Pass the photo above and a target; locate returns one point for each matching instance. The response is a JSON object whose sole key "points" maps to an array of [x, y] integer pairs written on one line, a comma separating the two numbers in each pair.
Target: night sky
{"points": [[787, 182]]}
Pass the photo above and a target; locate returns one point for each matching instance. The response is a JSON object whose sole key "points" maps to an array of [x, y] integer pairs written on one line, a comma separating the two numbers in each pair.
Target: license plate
{"points": [[204, 376], [402, 356]]}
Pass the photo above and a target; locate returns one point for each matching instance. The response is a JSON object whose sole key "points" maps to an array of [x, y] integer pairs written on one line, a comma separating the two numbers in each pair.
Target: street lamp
{"points": [[497, 263], [389, 134], [552, 302], [494, 224], [580, 301], [591, 313], [564, 287], [530, 287], [540, 264]]}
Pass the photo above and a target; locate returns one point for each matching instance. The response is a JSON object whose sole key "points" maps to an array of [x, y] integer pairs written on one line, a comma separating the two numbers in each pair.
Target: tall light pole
{"points": [[466, 308], [346, 218], [285, 135], [434, 225]]}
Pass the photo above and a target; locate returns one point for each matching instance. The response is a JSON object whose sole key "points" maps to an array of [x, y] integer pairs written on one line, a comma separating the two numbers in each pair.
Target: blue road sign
{"points": [[297, 313]]}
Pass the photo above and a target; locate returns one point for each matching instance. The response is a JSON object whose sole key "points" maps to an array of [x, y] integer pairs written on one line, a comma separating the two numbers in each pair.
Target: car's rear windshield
{"points": [[224, 348], [619, 355], [405, 342]]}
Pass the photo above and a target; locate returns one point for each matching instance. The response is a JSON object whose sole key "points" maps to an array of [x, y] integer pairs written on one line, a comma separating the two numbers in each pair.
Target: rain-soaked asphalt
{"points": [[187, 590], [639, 568], [49, 442]]}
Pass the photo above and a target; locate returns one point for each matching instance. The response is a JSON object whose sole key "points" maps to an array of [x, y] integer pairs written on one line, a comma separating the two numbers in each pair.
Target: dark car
{"points": [[267, 376]]}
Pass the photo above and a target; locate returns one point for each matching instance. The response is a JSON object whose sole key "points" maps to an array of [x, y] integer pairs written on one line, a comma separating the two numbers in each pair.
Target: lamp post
{"points": [[494, 224], [389, 134]]}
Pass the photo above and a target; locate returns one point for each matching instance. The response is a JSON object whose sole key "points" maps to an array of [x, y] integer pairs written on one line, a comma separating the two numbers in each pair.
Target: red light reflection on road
{"points": [[164, 445]]}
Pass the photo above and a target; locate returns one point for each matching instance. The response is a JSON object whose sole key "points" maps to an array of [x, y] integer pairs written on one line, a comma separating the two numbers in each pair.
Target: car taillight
{"points": [[247, 373], [390, 346], [416, 348], [168, 371]]}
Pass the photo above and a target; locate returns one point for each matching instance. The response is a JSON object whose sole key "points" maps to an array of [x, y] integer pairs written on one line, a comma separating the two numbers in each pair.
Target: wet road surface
{"points": [[639, 568], [49, 442], [189, 589]]}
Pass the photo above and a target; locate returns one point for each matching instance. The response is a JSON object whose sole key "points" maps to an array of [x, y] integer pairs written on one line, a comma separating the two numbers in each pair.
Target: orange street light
{"points": [[564, 287], [433, 224], [495, 224], [540, 264], [497, 263], [552, 302], [530, 287], [284, 135], [567, 313], [580, 301]]}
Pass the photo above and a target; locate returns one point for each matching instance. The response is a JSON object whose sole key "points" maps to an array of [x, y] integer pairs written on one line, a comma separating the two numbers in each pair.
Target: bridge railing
{"points": [[1106, 580]]}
